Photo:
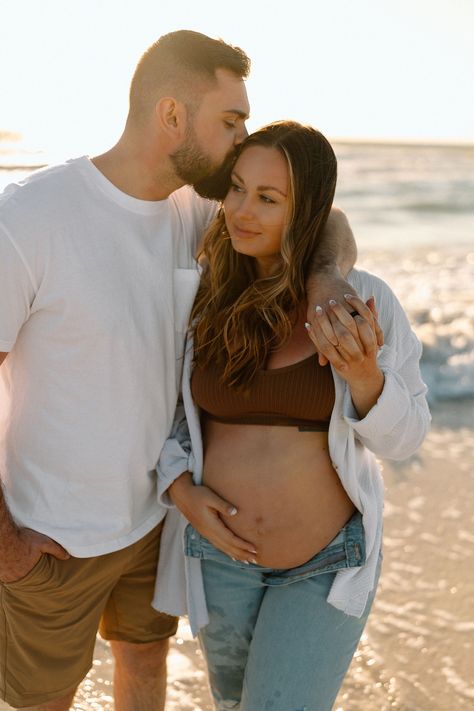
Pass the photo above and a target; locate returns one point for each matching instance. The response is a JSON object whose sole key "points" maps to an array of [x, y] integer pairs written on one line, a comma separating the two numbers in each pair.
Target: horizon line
{"points": [[403, 141]]}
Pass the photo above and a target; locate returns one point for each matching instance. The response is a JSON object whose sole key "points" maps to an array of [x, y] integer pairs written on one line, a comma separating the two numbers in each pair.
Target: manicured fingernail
{"points": [[332, 302], [307, 325], [245, 561], [252, 560], [232, 511], [234, 559], [348, 297], [318, 310]]}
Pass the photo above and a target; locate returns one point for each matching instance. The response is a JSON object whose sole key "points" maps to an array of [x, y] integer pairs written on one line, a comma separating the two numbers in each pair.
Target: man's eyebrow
{"points": [[259, 187], [237, 112]]}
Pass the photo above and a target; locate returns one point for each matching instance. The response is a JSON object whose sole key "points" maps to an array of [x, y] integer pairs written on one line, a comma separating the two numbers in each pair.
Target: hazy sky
{"points": [[354, 68]]}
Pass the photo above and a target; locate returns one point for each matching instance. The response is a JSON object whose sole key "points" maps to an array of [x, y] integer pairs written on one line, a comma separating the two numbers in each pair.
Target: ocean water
{"points": [[412, 211]]}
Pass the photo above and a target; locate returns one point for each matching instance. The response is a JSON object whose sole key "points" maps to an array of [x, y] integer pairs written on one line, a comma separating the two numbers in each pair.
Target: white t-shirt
{"points": [[96, 288]]}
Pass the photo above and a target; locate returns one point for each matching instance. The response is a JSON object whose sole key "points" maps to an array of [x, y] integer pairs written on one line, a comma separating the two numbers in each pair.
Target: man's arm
{"points": [[336, 253], [332, 260], [21, 548]]}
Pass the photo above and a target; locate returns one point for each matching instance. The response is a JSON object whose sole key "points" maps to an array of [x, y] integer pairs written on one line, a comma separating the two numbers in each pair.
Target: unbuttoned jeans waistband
{"points": [[346, 550]]}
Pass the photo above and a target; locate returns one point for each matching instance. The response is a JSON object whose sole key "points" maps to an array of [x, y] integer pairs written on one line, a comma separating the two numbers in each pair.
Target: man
{"points": [[98, 274]]}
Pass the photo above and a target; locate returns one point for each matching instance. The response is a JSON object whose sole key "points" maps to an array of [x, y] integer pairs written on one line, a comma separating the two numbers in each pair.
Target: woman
{"points": [[288, 442]]}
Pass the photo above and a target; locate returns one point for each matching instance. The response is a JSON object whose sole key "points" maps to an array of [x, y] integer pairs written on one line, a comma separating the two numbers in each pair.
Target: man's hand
{"points": [[203, 508], [21, 550], [328, 285]]}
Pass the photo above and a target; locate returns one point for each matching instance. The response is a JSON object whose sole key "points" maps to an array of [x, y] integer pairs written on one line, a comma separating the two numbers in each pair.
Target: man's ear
{"points": [[171, 117]]}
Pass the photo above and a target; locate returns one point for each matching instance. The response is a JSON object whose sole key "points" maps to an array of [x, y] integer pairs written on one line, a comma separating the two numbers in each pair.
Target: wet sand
{"points": [[416, 653]]}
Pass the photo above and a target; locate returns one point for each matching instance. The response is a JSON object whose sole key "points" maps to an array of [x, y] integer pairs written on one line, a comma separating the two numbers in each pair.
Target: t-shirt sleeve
{"points": [[16, 291], [207, 210], [204, 212]]}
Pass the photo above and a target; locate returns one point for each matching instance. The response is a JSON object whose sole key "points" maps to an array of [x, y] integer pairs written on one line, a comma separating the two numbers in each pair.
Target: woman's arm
{"points": [[385, 401], [201, 506]]}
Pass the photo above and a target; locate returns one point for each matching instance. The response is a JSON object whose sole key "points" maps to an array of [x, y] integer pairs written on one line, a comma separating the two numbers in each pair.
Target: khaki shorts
{"points": [[49, 619]]}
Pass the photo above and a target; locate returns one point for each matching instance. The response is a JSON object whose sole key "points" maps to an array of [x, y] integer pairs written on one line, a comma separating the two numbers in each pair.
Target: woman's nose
{"points": [[244, 209]]}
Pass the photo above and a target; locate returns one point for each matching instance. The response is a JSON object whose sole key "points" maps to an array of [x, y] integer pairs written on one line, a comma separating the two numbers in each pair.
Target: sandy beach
{"points": [[416, 653]]}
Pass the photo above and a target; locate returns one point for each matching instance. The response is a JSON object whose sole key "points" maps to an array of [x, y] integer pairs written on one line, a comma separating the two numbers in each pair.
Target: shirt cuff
{"points": [[387, 412]]}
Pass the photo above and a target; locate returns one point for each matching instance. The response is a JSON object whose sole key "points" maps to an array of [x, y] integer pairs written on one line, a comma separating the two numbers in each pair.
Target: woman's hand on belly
{"points": [[203, 509], [290, 500]]}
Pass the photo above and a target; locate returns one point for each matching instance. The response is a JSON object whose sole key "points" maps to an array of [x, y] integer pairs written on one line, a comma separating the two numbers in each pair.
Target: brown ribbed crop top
{"points": [[298, 395]]}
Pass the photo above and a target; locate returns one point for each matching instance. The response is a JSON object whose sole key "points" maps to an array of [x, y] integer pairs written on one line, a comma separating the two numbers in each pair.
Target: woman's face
{"points": [[257, 205]]}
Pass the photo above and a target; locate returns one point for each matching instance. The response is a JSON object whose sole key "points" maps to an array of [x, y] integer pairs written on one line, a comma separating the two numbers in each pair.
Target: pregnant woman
{"points": [[280, 574]]}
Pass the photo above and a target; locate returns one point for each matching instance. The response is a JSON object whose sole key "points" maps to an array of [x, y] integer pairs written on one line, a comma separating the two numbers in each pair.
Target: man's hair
{"points": [[183, 64]]}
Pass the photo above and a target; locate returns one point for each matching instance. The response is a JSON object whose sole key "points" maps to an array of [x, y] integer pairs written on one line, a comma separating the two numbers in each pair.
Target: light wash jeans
{"points": [[273, 642]]}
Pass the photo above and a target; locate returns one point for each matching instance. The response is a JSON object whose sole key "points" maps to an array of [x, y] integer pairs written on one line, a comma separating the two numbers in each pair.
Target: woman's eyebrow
{"points": [[234, 174]]}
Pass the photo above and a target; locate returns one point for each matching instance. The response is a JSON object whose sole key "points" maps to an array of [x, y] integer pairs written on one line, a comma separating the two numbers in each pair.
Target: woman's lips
{"points": [[244, 232]]}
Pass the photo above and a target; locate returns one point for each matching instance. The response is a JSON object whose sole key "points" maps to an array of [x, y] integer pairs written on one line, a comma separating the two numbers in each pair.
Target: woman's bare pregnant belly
{"points": [[289, 499]]}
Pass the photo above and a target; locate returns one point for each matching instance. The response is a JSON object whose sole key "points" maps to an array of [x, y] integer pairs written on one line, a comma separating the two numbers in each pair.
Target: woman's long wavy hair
{"points": [[237, 317]]}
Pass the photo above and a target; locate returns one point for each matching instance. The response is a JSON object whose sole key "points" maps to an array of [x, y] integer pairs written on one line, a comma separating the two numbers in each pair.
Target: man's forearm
{"points": [[7, 524], [337, 249]]}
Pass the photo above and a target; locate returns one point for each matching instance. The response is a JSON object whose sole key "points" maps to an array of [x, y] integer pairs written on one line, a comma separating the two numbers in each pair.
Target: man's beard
{"points": [[195, 167]]}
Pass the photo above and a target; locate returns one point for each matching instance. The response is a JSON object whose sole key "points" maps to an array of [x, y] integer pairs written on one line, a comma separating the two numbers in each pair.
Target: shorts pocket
{"points": [[34, 575]]}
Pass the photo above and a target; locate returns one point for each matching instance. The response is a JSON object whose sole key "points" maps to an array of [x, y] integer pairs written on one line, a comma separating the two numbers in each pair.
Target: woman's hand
{"points": [[203, 509], [329, 287], [349, 341]]}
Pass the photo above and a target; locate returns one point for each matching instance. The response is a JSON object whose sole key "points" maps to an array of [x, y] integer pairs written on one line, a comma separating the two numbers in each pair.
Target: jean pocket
{"points": [[191, 542]]}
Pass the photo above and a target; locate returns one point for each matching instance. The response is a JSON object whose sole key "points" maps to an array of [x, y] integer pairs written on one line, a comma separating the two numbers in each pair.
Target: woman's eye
{"points": [[229, 124], [266, 199], [235, 188]]}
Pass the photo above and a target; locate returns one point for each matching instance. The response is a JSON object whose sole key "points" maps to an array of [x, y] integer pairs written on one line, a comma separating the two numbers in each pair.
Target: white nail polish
{"points": [[332, 302], [318, 310], [307, 325], [232, 511]]}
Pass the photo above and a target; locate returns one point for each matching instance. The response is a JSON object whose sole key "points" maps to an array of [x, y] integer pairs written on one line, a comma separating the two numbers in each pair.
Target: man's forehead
{"points": [[229, 94]]}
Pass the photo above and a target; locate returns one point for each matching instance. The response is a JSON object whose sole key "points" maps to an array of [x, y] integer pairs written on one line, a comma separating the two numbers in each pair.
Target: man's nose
{"points": [[241, 135]]}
